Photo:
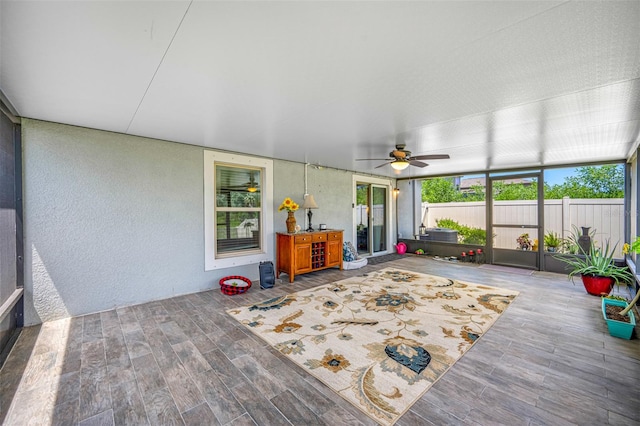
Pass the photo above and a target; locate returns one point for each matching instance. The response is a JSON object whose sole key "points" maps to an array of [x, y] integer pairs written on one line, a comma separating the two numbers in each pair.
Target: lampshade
{"points": [[400, 164], [309, 203]]}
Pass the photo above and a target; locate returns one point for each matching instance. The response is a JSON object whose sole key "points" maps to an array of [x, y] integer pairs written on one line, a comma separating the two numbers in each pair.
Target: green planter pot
{"points": [[619, 329]]}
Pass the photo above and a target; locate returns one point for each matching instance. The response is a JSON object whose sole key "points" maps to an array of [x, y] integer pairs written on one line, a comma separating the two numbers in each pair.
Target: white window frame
{"points": [[211, 262]]}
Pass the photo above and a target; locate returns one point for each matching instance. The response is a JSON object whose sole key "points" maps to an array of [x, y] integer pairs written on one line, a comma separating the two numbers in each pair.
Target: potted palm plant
{"points": [[598, 270], [552, 241]]}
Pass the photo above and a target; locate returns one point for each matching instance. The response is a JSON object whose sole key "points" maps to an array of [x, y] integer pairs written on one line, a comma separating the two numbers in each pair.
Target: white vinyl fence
{"points": [[605, 216], [377, 223]]}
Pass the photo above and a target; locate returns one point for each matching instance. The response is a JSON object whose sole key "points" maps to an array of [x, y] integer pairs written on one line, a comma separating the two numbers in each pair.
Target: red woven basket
{"points": [[234, 284]]}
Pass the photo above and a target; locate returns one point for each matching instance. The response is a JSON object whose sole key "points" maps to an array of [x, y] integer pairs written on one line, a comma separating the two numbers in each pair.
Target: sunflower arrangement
{"points": [[289, 205]]}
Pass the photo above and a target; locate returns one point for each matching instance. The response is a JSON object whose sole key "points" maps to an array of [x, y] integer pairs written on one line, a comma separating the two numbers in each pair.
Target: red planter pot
{"points": [[596, 285]]}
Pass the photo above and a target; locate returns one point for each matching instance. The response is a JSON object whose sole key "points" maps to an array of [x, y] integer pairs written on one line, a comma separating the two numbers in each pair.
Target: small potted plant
{"points": [[625, 322], [524, 242], [598, 270], [552, 241], [618, 316]]}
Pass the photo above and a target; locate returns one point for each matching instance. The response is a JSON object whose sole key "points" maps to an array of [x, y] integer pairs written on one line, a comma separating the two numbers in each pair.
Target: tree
{"points": [[475, 193], [605, 181], [362, 194], [439, 190], [514, 191]]}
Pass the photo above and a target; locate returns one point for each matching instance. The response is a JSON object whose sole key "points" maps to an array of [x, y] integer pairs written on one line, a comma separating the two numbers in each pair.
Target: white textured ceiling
{"points": [[494, 84]]}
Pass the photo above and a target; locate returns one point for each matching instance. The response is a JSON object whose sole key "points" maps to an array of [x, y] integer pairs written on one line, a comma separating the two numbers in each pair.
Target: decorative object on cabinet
{"points": [[291, 222], [290, 206], [309, 203], [307, 252]]}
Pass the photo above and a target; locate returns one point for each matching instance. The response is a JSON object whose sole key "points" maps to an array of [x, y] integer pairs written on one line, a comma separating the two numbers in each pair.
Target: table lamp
{"points": [[309, 203]]}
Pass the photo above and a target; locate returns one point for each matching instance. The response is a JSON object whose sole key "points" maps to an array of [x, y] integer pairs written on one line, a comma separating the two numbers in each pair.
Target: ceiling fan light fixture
{"points": [[400, 164], [252, 189]]}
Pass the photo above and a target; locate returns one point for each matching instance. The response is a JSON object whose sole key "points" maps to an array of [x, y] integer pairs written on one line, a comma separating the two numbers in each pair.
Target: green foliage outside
{"points": [[362, 193], [443, 190], [605, 181], [505, 191], [591, 182], [466, 234], [237, 199]]}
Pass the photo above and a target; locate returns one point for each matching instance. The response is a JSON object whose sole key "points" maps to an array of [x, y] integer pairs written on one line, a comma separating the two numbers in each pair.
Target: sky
{"points": [[556, 176], [551, 176]]}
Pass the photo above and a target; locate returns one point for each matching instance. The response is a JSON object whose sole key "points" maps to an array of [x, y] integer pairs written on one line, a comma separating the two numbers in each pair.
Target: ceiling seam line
{"points": [[548, 98], [509, 26], [506, 27], [144, 95]]}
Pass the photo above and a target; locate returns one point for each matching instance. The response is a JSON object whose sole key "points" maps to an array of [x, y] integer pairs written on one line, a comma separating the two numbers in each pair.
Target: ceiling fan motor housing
{"points": [[402, 157]]}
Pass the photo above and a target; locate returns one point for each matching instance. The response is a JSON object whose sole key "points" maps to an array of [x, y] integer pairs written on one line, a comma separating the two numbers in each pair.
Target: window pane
{"points": [[585, 196], [456, 203], [237, 231], [238, 186]]}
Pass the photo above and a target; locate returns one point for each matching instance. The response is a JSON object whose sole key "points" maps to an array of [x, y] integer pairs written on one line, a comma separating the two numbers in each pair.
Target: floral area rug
{"points": [[379, 340]]}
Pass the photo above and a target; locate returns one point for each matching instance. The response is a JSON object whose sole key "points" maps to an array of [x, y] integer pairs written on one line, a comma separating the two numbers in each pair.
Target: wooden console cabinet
{"points": [[307, 252]]}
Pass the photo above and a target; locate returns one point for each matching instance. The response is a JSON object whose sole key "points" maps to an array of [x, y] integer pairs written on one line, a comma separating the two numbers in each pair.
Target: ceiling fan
{"points": [[401, 158], [251, 186]]}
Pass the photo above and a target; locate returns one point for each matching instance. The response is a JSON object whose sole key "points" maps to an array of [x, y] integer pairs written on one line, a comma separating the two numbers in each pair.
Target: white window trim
{"points": [[266, 226]]}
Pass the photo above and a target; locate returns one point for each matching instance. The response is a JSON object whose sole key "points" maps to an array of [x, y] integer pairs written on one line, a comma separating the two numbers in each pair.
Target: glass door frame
{"points": [[509, 257], [388, 213], [12, 292], [383, 234]]}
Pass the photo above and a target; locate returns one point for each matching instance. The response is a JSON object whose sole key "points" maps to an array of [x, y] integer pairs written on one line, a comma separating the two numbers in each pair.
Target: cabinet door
{"points": [[334, 252], [302, 258]]}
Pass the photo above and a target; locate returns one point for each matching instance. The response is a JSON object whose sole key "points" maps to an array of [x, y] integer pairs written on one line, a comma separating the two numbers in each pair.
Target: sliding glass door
{"points": [[371, 218], [11, 253]]}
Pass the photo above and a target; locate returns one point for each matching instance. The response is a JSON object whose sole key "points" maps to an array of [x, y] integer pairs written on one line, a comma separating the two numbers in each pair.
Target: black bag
{"points": [[267, 275]]}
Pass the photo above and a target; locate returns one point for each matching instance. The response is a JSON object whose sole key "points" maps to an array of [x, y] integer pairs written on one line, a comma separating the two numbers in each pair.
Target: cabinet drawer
{"points": [[302, 239], [319, 237], [335, 235]]}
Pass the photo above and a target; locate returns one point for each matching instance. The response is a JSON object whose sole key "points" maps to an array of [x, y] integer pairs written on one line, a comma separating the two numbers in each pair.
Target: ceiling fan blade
{"points": [[371, 159], [431, 157], [417, 163], [381, 165]]}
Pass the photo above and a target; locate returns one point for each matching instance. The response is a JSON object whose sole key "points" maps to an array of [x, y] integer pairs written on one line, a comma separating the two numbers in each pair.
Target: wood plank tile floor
{"points": [[547, 360]]}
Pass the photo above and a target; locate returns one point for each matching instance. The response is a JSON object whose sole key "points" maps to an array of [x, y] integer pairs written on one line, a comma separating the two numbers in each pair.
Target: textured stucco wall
{"points": [[113, 220], [331, 188], [288, 181], [110, 220], [409, 208]]}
